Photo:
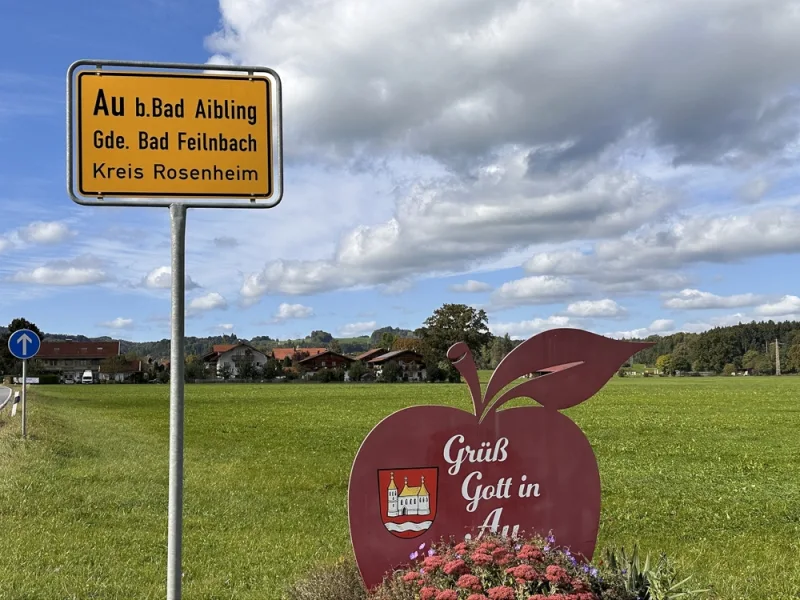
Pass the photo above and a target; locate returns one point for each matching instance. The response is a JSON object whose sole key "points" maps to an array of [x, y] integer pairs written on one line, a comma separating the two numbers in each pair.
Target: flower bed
{"points": [[496, 568]]}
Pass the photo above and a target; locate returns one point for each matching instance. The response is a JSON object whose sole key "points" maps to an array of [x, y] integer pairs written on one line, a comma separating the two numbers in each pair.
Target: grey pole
{"points": [[24, 403], [177, 217]]}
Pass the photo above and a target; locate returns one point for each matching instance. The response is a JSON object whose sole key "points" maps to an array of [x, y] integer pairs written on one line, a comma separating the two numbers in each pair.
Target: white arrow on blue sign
{"points": [[24, 344]]}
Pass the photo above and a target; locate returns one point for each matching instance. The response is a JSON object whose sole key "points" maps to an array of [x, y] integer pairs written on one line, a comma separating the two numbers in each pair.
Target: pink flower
{"points": [[481, 558], [556, 574], [501, 593], [477, 597], [447, 595], [523, 573], [408, 577], [428, 593], [529, 552], [469, 582], [455, 567], [433, 562]]}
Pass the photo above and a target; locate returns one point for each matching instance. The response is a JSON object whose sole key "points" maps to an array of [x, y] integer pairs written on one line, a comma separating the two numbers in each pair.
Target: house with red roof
{"points": [[70, 359], [232, 357]]}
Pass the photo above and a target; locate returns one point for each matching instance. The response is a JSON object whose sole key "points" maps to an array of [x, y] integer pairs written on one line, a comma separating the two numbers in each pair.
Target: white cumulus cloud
{"points": [[288, 311], [524, 329], [538, 289], [208, 302], [595, 308], [357, 329], [471, 286], [657, 327], [118, 323], [788, 305], [696, 299], [45, 232], [81, 270]]}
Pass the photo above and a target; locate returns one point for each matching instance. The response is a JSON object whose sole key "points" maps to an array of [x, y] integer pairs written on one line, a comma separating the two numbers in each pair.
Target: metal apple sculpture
{"points": [[431, 472]]}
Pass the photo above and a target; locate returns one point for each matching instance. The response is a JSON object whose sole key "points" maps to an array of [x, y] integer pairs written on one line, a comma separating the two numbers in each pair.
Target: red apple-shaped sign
{"points": [[430, 472]]}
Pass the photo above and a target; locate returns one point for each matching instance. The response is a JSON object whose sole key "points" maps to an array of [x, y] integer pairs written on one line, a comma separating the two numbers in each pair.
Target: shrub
{"points": [[653, 581], [340, 581]]}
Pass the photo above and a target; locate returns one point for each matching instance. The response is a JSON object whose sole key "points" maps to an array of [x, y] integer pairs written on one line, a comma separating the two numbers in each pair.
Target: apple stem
{"points": [[461, 357]]}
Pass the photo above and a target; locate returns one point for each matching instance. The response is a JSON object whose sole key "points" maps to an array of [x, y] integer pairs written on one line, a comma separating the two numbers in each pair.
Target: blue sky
{"points": [[605, 166]]}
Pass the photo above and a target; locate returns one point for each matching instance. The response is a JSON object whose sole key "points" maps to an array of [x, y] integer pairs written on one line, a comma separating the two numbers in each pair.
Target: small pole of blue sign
{"points": [[24, 404]]}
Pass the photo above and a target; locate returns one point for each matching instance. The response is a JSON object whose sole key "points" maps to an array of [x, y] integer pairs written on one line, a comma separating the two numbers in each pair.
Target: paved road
{"points": [[4, 401]]}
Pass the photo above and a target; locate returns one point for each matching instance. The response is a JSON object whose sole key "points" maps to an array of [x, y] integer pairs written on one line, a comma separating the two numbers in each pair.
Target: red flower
{"points": [[460, 548], [432, 562], [501, 593], [476, 597], [428, 593], [481, 558], [469, 582], [556, 574], [487, 547], [408, 577], [523, 573], [538, 597], [447, 595], [528, 552], [455, 567]]}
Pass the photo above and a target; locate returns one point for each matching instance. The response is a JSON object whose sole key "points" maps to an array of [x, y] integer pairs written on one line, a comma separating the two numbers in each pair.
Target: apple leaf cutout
{"points": [[575, 363]]}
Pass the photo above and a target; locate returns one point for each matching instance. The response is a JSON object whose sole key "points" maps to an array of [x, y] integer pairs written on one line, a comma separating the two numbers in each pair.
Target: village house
{"points": [[412, 366], [124, 371], [233, 357], [70, 359], [325, 360]]}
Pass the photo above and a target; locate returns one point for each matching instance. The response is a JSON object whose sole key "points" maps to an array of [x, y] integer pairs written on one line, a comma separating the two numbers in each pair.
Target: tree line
{"points": [[726, 350], [721, 350]]}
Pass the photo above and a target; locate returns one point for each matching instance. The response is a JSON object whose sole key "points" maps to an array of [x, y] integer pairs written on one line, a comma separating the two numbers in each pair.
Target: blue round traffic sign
{"points": [[24, 344]]}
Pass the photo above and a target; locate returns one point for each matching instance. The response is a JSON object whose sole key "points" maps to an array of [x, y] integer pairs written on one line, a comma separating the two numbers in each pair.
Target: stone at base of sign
{"points": [[430, 472]]}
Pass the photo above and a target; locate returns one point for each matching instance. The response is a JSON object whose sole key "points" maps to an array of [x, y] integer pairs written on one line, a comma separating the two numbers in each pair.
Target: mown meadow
{"points": [[705, 470]]}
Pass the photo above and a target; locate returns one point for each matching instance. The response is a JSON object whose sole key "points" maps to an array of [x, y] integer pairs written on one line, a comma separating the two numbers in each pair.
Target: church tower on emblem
{"points": [[392, 512]]}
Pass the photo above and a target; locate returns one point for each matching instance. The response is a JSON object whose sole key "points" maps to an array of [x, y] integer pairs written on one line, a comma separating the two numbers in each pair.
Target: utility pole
{"points": [[777, 358]]}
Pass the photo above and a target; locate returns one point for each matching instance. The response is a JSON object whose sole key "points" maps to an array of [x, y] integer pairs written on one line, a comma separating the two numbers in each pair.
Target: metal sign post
{"points": [[24, 344], [178, 136]]}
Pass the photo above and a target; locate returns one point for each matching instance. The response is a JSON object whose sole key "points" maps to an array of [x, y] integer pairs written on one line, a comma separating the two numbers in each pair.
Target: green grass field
{"points": [[703, 469]]}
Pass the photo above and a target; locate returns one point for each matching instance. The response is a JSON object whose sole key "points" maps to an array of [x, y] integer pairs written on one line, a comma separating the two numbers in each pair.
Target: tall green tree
{"points": [[447, 325], [8, 363]]}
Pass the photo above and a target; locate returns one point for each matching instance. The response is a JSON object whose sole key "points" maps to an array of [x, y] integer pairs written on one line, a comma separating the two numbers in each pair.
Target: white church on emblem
{"points": [[411, 501]]}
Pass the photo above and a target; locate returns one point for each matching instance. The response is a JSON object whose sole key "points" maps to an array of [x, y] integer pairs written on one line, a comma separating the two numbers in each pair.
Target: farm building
{"points": [[70, 359], [411, 364], [325, 360]]}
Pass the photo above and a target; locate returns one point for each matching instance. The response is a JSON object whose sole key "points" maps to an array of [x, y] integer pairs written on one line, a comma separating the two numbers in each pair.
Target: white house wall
{"points": [[229, 358]]}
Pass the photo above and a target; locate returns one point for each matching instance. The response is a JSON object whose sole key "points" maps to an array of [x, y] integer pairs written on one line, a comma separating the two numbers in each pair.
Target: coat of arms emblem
{"points": [[408, 500]]}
